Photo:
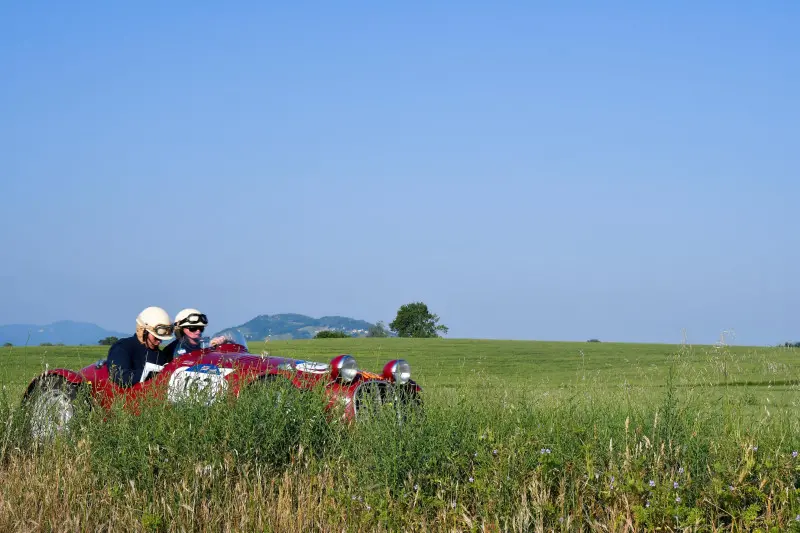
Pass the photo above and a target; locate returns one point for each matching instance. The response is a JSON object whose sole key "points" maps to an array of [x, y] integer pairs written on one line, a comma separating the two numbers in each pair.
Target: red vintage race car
{"points": [[210, 371]]}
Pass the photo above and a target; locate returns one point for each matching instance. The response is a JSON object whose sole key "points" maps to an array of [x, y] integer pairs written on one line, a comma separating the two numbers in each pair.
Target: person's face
{"points": [[152, 342], [193, 333]]}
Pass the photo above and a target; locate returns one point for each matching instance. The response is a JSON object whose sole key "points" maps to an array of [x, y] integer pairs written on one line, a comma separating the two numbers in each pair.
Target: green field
{"points": [[760, 375], [516, 436]]}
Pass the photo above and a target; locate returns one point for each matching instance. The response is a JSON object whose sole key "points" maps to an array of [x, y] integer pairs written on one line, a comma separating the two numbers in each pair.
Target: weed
{"points": [[640, 451]]}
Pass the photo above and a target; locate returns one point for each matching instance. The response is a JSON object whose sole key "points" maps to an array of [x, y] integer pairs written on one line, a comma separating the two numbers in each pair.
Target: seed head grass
{"points": [[598, 438]]}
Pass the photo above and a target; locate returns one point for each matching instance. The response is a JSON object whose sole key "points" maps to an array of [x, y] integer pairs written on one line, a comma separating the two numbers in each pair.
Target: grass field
{"points": [[517, 436], [759, 375]]}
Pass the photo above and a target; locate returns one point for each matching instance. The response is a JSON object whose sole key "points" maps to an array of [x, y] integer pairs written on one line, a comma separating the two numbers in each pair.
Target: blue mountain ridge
{"points": [[66, 332], [275, 327], [297, 326]]}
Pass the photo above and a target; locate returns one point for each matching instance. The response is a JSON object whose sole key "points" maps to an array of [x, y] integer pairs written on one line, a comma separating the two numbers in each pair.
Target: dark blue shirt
{"points": [[126, 359]]}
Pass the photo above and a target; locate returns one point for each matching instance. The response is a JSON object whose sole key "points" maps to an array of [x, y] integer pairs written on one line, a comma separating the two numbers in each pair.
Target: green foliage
{"points": [[107, 341], [515, 436], [7, 345], [264, 426], [415, 320], [331, 334], [581, 454], [378, 330]]}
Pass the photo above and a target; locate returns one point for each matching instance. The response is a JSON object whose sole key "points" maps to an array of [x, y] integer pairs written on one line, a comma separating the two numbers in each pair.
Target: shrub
{"points": [[331, 334]]}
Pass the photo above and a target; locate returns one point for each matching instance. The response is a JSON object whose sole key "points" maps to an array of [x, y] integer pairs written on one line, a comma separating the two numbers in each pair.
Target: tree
{"points": [[331, 334], [378, 330], [108, 341], [415, 320], [8, 345]]}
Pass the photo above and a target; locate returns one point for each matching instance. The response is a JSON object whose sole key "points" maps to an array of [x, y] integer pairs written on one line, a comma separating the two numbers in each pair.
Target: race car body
{"points": [[213, 371]]}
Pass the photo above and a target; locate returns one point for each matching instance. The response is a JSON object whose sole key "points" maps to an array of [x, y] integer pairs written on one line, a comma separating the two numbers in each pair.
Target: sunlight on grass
{"points": [[513, 437]]}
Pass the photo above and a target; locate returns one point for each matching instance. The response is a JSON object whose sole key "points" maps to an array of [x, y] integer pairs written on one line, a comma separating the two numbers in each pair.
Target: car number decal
{"points": [[312, 367], [205, 380]]}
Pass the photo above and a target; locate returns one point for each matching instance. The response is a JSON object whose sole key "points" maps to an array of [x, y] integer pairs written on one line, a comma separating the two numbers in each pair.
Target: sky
{"points": [[553, 171]]}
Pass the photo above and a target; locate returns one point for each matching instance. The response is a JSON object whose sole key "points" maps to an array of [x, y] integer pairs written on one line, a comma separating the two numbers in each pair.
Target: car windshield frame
{"points": [[231, 336]]}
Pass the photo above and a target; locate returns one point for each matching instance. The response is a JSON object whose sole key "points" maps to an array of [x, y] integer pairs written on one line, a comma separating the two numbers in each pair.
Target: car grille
{"points": [[371, 396]]}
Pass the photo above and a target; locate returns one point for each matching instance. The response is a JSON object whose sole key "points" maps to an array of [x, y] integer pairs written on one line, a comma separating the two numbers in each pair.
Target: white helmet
{"points": [[190, 317], [155, 321]]}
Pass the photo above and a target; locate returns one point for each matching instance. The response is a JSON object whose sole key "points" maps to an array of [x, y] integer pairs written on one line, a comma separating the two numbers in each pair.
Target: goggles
{"points": [[194, 318], [160, 329], [194, 329]]}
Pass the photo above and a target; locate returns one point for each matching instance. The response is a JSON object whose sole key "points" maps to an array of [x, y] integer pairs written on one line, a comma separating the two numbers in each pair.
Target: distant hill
{"points": [[276, 327], [63, 332], [294, 326]]}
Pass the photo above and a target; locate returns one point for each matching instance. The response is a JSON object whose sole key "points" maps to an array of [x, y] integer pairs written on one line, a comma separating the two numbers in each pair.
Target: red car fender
{"points": [[69, 375]]}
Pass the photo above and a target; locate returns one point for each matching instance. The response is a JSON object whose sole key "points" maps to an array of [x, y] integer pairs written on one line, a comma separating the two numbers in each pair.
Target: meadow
{"points": [[515, 436]]}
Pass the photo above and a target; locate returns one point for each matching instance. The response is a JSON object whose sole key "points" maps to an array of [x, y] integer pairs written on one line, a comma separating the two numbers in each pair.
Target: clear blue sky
{"points": [[533, 171]]}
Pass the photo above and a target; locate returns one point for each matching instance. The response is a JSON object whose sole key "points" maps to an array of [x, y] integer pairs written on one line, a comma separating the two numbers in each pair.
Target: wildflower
{"points": [[652, 483], [794, 453], [544, 450], [675, 485], [494, 452], [416, 488], [471, 479], [647, 503], [755, 448], [453, 504], [730, 487], [369, 507], [475, 454], [680, 470], [612, 479], [678, 499]]}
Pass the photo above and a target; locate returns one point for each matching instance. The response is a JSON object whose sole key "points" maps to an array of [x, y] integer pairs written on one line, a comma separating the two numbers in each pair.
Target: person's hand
{"points": [[216, 341]]}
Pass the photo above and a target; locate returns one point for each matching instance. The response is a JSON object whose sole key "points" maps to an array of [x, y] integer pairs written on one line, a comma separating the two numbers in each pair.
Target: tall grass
{"points": [[598, 455]]}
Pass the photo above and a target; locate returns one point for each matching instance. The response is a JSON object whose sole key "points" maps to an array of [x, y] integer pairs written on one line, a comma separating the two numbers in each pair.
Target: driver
{"points": [[188, 327], [127, 357]]}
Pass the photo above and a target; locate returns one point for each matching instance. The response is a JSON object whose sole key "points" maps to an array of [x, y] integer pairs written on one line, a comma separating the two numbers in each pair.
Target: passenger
{"points": [[188, 327], [128, 357]]}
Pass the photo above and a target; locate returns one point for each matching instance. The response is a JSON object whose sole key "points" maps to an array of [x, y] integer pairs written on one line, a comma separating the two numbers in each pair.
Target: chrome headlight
{"points": [[402, 371], [345, 367], [398, 370]]}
